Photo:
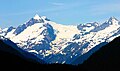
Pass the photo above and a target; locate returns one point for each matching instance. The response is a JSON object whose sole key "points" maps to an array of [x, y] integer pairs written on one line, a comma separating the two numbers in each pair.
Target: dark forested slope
{"points": [[106, 58]]}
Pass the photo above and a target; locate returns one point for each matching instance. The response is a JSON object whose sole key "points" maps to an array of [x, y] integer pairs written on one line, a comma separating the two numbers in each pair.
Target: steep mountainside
{"points": [[11, 54], [106, 58]]}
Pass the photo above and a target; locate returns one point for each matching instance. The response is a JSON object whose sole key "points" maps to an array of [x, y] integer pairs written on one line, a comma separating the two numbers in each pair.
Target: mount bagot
{"points": [[56, 43]]}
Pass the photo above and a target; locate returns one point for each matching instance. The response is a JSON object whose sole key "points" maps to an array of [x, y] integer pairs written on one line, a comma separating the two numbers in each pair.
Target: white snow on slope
{"points": [[30, 33], [64, 31], [10, 35], [101, 36]]}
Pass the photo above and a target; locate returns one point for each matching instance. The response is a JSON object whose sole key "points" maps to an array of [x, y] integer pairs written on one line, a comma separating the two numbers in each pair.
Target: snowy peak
{"points": [[37, 17], [113, 20], [35, 20], [32, 21]]}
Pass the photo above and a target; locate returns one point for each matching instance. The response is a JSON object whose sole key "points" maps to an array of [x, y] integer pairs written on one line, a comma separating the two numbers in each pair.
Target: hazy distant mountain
{"points": [[56, 43]]}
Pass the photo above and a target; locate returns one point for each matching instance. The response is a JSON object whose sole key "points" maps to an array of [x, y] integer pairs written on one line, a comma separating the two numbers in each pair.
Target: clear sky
{"points": [[15, 12]]}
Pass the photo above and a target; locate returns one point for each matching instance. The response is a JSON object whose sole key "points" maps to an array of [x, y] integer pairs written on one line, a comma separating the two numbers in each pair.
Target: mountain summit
{"points": [[113, 20], [37, 16]]}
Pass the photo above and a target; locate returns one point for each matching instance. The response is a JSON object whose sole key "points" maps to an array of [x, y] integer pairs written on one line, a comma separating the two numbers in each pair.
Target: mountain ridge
{"points": [[56, 43]]}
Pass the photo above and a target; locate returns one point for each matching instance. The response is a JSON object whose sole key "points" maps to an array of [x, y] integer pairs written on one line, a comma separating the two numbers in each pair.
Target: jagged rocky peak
{"points": [[35, 19], [92, 24], [113, 20], [10, 28], [87, 25]]}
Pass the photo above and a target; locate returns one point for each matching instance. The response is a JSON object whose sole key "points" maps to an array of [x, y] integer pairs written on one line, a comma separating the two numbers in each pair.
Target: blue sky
{"points": [[15, 12]]}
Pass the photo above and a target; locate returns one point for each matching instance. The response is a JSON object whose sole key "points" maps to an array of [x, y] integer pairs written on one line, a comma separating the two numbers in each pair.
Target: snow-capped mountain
{"points": [[56, 43]]}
